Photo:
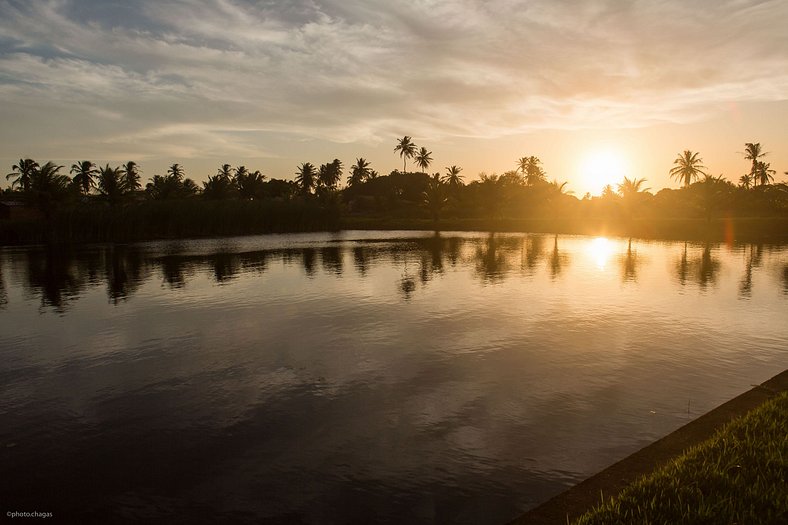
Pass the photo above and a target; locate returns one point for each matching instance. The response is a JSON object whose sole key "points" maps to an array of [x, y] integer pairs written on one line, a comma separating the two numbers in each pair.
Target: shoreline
{"points": [[727, 230], [575, 501]]}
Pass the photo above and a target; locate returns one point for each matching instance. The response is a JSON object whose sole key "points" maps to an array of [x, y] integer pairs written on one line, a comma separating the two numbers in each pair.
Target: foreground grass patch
{"points": [[738, 476]]}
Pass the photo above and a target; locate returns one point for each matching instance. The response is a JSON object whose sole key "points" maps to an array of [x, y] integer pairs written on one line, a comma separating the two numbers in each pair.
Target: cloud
{"points": [[205, 74]]}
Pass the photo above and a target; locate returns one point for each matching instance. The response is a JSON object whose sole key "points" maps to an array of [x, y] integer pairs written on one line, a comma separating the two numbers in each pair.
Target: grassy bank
{"points": [[738, 476]]}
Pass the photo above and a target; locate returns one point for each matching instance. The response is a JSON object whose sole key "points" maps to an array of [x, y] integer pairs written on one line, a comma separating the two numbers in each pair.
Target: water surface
{"points": [[363, 377]]}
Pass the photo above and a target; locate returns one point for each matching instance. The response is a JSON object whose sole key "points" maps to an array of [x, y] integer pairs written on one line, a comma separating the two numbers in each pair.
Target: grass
{"points": [[738, 476]]}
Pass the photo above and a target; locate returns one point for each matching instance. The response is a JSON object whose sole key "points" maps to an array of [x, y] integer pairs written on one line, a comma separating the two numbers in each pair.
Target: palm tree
{"points": [[305, 177], [745, 181], [453, 177], [688, 167], [433, 197], [176, 172], [329, 174], [250, 185], [631, 187], [406, 148], [84, 172], [753, 152], [763, 174], [47, 186], [423, 158], [359, 172], [111, 184], [22, 173], [531, 170], [131, 176]]}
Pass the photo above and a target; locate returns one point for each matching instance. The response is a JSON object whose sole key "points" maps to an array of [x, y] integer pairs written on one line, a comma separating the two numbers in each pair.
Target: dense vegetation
{"points": [[109, 203], [736, 477]]}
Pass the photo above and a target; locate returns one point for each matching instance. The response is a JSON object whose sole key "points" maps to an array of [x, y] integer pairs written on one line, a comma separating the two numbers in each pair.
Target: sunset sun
{"points": [[601, 167]]}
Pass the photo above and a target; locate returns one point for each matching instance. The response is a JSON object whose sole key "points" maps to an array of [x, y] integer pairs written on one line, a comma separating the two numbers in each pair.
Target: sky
{"points": [[597, 90]]}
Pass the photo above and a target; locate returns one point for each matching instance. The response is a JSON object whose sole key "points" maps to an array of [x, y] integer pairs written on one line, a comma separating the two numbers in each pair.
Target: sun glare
{"points": [[600, 168], [600, 250]]}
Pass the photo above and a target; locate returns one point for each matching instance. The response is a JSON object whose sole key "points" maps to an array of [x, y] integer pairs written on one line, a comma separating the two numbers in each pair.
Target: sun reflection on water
{"points": [[600, 250]]}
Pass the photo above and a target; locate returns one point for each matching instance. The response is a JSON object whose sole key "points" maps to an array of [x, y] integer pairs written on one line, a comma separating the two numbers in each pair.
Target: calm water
{"points": [[390, 377]]}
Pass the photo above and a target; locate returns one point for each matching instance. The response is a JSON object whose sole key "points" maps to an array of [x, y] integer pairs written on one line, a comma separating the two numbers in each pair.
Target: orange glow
{"points": [[600, 250], [600, 168]]}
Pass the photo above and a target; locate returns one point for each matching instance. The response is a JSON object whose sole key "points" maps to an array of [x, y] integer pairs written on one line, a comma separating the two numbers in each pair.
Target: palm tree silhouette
{"points": [[423, 158], [22, 173], [453, 177], [131, 176], [629, 187], [406, 148], [84, 172], [359, 172], [763, 174], [531, 170], [47, 187], [434, 198], [176, 172], [688, 167], [305, 177], [753, 152], [111, 184], [745, 181]]}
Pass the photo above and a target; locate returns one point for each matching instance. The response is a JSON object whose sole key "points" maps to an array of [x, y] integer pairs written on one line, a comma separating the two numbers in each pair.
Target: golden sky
{"points": [[271, 84]]}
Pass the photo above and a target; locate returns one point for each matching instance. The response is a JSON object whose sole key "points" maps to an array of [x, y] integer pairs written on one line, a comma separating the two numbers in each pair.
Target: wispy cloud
{"points": [[197, 76]]}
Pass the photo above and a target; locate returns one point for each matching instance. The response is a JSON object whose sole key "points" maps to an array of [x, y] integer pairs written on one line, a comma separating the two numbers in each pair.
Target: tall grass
{"points": [[738, 476]]}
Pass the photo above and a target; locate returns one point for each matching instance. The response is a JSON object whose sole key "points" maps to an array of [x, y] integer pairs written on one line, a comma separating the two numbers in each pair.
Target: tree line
{"points": [[523, 192]]}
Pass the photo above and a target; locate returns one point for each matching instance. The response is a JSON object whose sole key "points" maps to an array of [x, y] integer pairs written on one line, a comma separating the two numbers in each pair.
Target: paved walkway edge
{"points": [[573, 502]]}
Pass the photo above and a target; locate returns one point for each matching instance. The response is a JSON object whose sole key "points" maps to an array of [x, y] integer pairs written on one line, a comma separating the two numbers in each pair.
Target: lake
{"points": [[363, 377]]}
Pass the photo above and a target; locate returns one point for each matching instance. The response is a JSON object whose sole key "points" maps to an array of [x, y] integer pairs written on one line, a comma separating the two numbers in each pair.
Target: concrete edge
{"points": [[575, 501]]}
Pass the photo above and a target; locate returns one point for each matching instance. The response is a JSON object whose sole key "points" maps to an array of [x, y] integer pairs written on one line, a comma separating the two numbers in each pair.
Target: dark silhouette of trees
{"points": [[453, 178], [434, 197], [249, 185], [22, 173], [688, 167], [131, 176], [359, 172], [221, 185], [423, 159], [306, 177], [754, 152], [407, 149], [111, 184], [84, 174], [47, 188], [328, 176], [532, 171], [763, 173], [171, 186]]}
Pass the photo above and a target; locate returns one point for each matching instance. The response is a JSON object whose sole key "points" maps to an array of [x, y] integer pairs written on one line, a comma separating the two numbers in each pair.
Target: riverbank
{"points": [[161, 220], [695, 465]]}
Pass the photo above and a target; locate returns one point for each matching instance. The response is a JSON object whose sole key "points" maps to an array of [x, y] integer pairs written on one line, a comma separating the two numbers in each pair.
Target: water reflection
{"points": [[785, 279], [490, 259], [59, 275], [54, 275], [630, 263], [701, 269], [409, 396], [753, 257], [558, 260], [308, 257], [533, 252], [331, 258], [124, 272], [361, 260]]}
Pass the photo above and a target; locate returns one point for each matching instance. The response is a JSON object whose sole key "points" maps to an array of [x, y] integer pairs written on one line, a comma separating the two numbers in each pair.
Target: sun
{"points": [[600, 168]]}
